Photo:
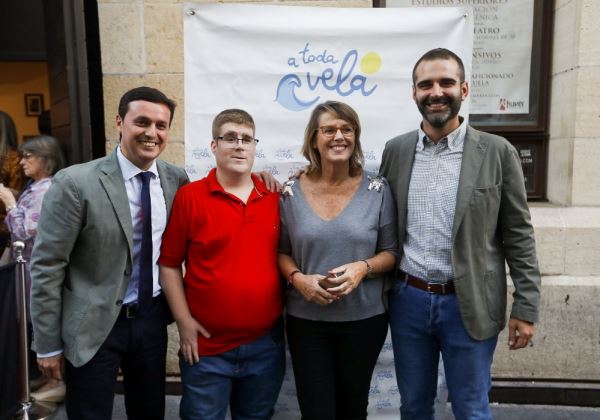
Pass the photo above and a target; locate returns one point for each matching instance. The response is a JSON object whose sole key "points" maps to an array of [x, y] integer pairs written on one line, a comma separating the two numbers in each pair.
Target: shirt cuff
{"points": [[51, 354]]}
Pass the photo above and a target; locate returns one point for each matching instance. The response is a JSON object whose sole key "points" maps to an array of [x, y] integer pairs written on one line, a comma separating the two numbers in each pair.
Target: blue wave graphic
{"points": [[286, 96]]}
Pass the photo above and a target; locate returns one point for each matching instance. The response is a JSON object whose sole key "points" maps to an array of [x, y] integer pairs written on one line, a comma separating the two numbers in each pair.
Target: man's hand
{"points": [[52, 367], [188, 339], [269, 180], [519, 333]]}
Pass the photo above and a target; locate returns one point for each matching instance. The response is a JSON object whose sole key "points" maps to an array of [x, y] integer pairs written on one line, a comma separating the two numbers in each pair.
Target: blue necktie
{"points": [[145, 281]]}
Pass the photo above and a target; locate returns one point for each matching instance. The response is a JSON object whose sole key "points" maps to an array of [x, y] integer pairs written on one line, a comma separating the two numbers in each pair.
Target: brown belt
{"points": [[435, 288]]}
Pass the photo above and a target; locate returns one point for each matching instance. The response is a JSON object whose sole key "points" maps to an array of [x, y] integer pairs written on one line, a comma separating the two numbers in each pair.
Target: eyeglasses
{"points": [[232, 140], [27, 155], [330, 131]]}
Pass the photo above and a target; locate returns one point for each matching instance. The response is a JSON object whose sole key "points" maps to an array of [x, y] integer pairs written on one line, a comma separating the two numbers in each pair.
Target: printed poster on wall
{"points": [[278, 62], [503, 36]]}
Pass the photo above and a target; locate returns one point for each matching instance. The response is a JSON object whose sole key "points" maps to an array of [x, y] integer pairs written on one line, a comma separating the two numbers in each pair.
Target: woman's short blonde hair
{"points": [[338, 110]]}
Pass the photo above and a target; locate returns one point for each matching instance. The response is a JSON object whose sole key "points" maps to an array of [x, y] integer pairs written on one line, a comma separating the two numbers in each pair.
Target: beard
{"points": [[439, 119]]}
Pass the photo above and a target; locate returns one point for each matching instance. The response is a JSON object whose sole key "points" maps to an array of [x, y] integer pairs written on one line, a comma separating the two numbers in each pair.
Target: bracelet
{"points": [[291, 276], [369, 268]]}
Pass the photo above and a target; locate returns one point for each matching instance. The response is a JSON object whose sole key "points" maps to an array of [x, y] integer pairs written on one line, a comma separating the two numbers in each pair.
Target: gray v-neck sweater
{"points": [[366, 226]]}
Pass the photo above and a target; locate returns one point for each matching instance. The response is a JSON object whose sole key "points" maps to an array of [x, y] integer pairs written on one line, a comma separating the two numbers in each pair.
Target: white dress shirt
{"points": [[133, 185]]}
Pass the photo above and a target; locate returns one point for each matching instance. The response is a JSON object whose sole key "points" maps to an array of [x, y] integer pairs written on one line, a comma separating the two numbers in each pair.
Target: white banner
{"points": [[277, 62]]}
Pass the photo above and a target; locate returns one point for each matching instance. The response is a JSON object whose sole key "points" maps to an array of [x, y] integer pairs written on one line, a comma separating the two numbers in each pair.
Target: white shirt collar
{"points": [[128, 169]]}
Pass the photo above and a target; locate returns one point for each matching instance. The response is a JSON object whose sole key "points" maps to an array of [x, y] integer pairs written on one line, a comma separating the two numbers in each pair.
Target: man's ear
{"points": [[464, 90], [119, 125]]}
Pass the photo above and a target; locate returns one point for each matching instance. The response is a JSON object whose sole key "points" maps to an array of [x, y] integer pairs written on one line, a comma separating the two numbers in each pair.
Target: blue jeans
{"points": [[248, 378], [422, 326]]}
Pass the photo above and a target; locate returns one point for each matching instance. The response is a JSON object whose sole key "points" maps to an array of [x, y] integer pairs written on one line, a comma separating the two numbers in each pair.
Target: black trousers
{"points": [[333, 363], [138, 346]]}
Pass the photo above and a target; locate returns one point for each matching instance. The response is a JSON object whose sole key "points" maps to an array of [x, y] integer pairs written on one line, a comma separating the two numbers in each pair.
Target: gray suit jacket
{"points": [[491, 225], [82, 257]]}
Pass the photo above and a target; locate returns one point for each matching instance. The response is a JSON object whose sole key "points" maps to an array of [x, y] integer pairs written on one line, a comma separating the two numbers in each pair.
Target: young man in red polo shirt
{"points": [[228, 305]]}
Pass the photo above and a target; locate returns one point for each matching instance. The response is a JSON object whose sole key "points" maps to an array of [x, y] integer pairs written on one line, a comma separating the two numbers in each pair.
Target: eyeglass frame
{"points": [[340, 129], [27, 155], [238, 141]]}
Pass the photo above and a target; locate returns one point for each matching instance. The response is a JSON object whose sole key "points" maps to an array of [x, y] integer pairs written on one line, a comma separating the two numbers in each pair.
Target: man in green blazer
{"points": [[462, 214], [96, 302]]}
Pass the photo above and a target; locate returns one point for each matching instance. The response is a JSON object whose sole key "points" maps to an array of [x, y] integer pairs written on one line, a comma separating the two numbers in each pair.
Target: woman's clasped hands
{"points": [[339, 282]]}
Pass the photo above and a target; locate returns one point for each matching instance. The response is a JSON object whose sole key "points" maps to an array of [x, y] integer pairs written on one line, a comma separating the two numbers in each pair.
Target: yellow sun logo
{"points": [[370, 63]]}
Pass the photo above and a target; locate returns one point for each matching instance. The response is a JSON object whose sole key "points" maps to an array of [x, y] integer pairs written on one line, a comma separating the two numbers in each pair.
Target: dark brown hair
{"points": [[145, 93], [440, 54], [8, 134]]}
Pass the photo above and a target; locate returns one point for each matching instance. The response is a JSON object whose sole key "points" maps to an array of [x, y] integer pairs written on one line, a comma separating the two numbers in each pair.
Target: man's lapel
{"points": [[406, 152], [112, 181], [473, 153], [168, 183]]}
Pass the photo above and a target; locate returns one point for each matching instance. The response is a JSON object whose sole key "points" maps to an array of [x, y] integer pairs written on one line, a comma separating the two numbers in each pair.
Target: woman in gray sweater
{"points": [[338, 239]]}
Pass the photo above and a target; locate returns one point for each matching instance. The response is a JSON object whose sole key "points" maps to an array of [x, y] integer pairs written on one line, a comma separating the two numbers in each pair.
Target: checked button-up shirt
{"points": [[431, 205]]}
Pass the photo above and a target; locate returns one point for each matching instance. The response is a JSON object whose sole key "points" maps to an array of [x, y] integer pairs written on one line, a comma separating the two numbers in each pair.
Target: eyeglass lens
{"points": [[331, 131], [232, 139]]}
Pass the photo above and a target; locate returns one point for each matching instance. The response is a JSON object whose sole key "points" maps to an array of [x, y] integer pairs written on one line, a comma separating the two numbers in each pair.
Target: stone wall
{"points": [[568, 229], [142, 43], [574, 174]]}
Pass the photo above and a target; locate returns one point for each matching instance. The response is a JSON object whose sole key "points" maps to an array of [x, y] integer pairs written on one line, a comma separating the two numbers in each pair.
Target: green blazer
{"points": [[82, 257], [491, 226]]}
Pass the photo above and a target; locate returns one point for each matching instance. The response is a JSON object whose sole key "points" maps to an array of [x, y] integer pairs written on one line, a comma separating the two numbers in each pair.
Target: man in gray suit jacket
{"points": [[96, 302], [462, 213]]}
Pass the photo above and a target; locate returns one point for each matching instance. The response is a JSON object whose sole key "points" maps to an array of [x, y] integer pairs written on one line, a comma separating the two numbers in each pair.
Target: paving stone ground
{"points": [[500, 411]]}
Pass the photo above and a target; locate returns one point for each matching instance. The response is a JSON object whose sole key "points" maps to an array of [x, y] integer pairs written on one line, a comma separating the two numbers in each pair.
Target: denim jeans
{"points": [[247, 378], [422, 326]]}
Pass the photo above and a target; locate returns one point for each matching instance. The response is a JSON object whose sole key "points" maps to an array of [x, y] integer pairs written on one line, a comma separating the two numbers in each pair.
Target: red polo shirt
{"points": [[231, 283]]}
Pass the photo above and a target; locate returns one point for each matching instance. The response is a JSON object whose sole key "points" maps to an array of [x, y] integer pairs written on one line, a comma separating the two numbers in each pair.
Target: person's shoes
{"points": [[37, 383], [52, 391]]}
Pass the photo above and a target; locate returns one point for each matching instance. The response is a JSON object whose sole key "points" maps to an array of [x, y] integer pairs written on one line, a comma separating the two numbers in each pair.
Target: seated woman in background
{"points": [[338, 239], [41, 158]]}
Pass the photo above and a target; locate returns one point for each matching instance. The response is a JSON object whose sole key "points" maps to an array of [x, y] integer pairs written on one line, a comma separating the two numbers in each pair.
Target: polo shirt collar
{"points": [[214, 186]]}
